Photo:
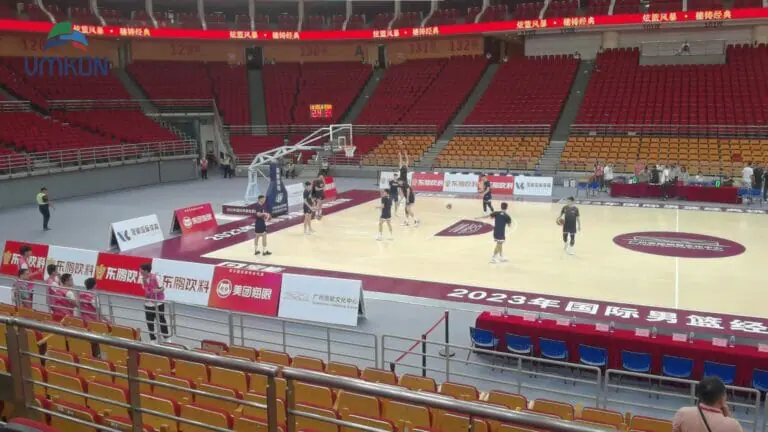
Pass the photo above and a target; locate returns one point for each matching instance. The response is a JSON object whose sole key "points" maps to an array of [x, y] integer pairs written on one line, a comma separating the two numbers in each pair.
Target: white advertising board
{"points": [[386, 176], [80, 263], [184, 282], [533, 186], [295, 194], [321, 299], [6, 295], [460, 183], [133, 233]]}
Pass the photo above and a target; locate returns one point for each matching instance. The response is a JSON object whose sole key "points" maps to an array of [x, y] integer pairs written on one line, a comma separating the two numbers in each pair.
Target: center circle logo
{"points": [[679, 244], [465, 227], [187, 221], [224, 288]]}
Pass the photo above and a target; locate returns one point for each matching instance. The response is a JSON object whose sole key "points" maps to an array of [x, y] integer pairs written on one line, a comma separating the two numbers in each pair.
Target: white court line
{"points": [[220, 216], [677, 262]]}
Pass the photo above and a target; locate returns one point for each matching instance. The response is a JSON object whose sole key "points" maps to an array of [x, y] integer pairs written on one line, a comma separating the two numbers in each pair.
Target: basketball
{"points": [[448, 206], [560, 221]]}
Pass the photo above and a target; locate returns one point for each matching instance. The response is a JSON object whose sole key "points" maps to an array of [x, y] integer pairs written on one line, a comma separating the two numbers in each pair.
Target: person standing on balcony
{"points": [[204, 168], [44, 206]]}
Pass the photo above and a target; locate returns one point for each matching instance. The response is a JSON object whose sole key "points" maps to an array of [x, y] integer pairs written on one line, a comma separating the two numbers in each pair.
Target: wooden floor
{"points": [[599, 270]]}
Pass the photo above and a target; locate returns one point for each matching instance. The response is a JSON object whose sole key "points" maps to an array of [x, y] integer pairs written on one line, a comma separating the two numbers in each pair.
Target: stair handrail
{"points": [[220, 135]]}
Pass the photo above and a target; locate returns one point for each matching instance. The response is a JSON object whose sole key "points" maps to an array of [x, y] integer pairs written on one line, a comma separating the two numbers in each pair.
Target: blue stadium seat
{"points": [[482, 339], [636, 362], [517, 344], [553, 349], [726, 372], [593, 356], [677, 367], [760, 380]]}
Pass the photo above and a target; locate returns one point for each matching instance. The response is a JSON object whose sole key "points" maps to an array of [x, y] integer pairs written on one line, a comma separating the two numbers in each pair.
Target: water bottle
{"points": [[690, 337], [731, 341], [538, 317], [573, 321], [654, 332], [506, 311], [612, 327]]}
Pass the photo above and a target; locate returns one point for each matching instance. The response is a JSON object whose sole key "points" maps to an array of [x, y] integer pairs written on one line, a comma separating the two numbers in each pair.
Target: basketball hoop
{"points": [[349, 151]]}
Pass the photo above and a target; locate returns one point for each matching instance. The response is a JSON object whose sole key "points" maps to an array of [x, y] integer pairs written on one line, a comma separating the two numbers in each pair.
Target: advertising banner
{"points": [[533, 186], [386, 176], [119, 274], [295, 194], [460, 183], [330, 189], [277, 195], [193, 219], [320, 299], [134, 233], [184, 282], [502, 184], [427, 182], [37, 262], [246, 291], [80, 263]]}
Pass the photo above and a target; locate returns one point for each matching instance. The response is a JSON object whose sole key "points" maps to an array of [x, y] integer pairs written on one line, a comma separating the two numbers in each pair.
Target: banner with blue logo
{"points": [[277, 195]]}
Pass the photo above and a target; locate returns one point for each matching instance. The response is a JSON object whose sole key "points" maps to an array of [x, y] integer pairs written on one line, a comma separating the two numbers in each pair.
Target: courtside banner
{"points": [[119, 274], [320, 299], [427, 182], [295, 194], [387, 176], [184, 282], [246, 291], [330, 189], [134, 233], [533, 186], [460, 183], [37, 262], [502, 184], [193, 219], [80, 263]]}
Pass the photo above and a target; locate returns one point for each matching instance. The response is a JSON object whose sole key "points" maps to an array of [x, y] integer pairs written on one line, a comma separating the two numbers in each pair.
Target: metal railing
{"points": [[308, 129], [187, 105], [677, 393], [673, 48], [15, 106], [504, 130], [707, 131], [18, 163], [20, 355]]}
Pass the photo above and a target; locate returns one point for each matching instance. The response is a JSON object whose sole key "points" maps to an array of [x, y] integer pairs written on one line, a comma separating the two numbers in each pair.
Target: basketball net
{"points": [[349, 151]]}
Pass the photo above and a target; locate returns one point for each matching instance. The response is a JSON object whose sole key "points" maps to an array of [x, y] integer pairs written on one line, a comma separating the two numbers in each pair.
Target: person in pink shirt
{"points": [[599, 174], [204, 168], [25, 255], [62, 300], [23, 289], [154, 303], [711, 414], [89, 302]]}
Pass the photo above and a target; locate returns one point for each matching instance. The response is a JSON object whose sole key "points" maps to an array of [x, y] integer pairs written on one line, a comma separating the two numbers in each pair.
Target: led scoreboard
{"points": [[322, 111]]}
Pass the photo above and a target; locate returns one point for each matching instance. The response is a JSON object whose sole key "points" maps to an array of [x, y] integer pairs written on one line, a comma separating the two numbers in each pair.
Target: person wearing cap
{"points": [[711, 414], [44, 206]]}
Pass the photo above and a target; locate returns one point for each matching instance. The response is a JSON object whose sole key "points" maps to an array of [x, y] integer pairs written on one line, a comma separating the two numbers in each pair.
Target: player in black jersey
{"points": [[318, 193], [260, 226], [410, 199], [386, 214], [571, 222], [309, 208], [501, 220], [394, 191], [485, 191], [403, 160]]}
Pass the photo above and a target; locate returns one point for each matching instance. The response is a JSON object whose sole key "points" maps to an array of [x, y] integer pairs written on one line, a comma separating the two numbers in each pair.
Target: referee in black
{"points": [[44, 205]]}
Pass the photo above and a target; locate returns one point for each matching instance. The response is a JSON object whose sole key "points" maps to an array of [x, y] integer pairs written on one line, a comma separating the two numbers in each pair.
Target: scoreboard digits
{"points": [[321, 111]]}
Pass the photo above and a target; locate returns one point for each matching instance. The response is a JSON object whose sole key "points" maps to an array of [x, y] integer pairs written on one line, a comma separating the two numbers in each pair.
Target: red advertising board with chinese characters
{"points": [[246, 291], [194, 219], [119, 274], [502, 184], [330, 189], [667, 19], [427, 182], [36, 262]]}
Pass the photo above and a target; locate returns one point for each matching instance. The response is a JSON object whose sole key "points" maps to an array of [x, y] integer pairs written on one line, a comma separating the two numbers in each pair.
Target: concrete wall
{"points": [[21, 191]]}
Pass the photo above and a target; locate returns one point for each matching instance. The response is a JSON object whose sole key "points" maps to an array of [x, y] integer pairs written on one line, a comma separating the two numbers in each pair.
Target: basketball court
{"points": [[655, 257]]}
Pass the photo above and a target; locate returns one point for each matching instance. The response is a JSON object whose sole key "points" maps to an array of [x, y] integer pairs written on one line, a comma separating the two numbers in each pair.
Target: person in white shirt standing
{"points": [[747, 175], [665, 181], [608, 176]]}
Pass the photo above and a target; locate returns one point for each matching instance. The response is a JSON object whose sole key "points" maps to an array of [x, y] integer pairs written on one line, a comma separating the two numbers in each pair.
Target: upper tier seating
{"points": [[422, 92], [527, 91], [18, 86], [109, 391], [493, 152], [124, 125], [183, 80], [625, 93], [289, 89], [31, 133]]}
